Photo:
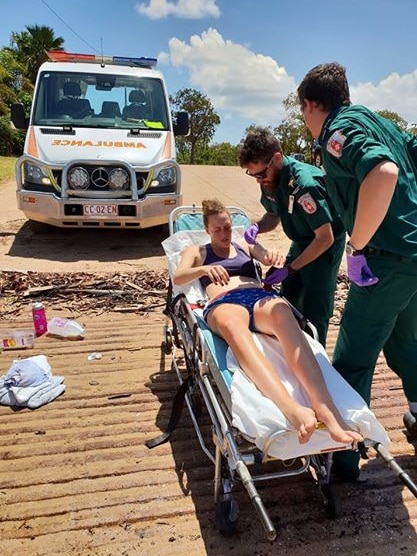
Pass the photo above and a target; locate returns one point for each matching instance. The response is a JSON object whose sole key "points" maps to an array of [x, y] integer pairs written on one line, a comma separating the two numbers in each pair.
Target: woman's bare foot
{"points": [[304, 420], [338, 429]]}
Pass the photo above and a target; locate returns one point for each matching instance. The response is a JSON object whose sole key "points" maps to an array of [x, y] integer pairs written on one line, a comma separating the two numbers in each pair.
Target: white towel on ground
{"points": [[39, 386]]}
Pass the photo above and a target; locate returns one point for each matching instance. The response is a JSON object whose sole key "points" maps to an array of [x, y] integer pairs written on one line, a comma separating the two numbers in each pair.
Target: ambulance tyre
{"points": [[39, 227]]}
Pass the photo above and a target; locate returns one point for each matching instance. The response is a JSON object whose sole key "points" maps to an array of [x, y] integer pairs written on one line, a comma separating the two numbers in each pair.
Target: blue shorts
{"points": [[246, 297]]}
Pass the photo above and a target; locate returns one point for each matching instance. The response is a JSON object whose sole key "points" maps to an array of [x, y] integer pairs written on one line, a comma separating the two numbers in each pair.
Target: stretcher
{"points": [[252, 439]]}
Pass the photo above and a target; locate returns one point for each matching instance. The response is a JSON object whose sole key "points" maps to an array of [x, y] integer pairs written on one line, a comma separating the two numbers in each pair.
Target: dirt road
{"points": [[75, 476]]}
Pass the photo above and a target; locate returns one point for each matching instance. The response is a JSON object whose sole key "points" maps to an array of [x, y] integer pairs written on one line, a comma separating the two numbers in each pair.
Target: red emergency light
{"points": [[62, 56]]}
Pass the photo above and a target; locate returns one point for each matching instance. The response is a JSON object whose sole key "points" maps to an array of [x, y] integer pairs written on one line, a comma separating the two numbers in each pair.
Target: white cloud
{"points": [[395, 93], [235, 79], [185, 9]]}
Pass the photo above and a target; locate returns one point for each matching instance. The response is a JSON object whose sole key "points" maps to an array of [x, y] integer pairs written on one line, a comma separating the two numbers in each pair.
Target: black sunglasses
{"points": [[261, 175]]}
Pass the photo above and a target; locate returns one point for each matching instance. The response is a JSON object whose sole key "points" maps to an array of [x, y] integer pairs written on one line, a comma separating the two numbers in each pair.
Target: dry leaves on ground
{"points": [[87, 293], [82, 292]]}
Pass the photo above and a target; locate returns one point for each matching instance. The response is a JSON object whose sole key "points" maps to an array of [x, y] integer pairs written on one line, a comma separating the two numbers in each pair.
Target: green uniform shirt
{"points": [[300, 201], [354, 140]]}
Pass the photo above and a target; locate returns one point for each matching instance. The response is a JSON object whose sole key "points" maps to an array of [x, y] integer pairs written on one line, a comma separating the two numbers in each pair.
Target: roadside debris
{"points": [[140, 292], [83, 292]]}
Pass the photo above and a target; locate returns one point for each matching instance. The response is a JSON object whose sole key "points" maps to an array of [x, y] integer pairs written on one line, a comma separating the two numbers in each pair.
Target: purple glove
{"points": [[276, 276], [251, 234], [359, 271]]}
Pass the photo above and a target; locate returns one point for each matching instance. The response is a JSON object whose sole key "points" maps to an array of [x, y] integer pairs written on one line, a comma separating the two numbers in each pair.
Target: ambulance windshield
{"points": [[99, 100]]}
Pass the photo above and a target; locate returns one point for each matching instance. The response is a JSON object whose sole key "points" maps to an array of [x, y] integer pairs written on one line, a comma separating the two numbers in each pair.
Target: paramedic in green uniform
{"points": [[371, 177], [293, 193]]}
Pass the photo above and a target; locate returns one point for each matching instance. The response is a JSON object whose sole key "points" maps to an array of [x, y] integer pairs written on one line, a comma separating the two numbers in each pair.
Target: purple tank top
{"points": [[241, 265]]}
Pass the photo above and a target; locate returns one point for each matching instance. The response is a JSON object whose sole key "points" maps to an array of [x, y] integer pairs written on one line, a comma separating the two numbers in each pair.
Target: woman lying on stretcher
{"points": [[238, 304]]}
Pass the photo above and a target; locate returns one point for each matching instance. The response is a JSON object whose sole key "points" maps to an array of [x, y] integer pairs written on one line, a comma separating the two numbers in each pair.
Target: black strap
{"points": [[176, 411]]}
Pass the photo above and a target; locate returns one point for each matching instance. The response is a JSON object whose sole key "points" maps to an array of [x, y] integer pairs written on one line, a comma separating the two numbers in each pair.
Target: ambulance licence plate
{"points": [[100, 211]]}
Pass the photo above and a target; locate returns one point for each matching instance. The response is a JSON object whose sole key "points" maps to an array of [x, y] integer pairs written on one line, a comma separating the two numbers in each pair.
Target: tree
{"points": [[292, 131], [31, 47], [203, 122], [220, 154], [14, 87], [394, 117]]}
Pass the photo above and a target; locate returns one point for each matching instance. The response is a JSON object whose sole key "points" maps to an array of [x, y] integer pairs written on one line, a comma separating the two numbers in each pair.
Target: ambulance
{"points": [[100, 145]]}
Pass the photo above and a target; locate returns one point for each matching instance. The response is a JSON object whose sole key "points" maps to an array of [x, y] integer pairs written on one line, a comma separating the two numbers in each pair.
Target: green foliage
{"points": [[203, 122], [219, 154], [19, 66], [11, 140], [7, 168], [394, 117], [31, 46], [292, 132]]}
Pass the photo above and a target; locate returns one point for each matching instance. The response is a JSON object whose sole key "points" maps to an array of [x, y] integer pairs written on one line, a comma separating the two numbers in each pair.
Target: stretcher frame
{"points": [[236, 459]]}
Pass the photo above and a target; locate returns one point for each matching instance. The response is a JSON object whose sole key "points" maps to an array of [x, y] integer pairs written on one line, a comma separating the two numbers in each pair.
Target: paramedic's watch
{"points": [[351, 251]]}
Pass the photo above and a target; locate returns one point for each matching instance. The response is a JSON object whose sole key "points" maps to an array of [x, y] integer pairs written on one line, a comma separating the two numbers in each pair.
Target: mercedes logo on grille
{"points": [[100, 177]]}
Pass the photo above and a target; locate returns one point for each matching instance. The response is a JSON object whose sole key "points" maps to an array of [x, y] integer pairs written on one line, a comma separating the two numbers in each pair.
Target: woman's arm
{"points": [[265, 256]]}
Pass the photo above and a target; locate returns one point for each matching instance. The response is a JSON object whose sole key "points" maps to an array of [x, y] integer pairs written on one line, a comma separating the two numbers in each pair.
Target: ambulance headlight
{"points": [[78, 178], [119, 179], [35, 173], [164, 177]]}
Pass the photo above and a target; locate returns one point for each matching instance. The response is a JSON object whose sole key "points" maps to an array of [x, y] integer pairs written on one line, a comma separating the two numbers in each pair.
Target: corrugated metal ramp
{"points": [[77, 479]]}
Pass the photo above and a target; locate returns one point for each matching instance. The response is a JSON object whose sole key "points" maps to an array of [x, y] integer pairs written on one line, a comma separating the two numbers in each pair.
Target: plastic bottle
{"points": [[65, 328], [17, 339], [39, 319]]}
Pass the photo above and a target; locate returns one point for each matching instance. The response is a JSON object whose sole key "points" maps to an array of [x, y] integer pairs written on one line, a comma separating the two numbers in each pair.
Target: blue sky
{"points": [[245, 55]]}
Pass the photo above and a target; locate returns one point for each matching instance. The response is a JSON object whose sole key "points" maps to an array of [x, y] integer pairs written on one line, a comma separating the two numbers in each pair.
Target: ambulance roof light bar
{"points": [[62, 56]]}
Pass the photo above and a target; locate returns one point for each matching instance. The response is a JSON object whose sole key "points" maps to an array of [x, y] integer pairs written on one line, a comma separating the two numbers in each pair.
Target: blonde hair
{"points": [[212, 207]]}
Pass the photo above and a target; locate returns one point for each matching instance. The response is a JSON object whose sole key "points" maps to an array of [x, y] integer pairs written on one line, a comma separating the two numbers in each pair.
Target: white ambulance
{"points": [[100, 148]]}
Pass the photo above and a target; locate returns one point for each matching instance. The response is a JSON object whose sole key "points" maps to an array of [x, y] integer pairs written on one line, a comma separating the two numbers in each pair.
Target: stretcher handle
{"points": [[398, 470], [256, 500]]}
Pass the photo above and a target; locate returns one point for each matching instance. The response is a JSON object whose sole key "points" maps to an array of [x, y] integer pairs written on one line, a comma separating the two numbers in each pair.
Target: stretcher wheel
{"points": [[331, 500], [227, 513], [410, 424], [167, 344], [194, 398]]}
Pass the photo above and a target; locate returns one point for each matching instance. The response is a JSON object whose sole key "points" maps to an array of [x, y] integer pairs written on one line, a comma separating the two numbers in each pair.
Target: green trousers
{"points": [[311, 290], [380, 317]]}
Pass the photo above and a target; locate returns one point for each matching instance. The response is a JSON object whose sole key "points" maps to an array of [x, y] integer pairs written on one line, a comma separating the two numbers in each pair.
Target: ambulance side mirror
{"points": [[182, 125], [18, 116]]}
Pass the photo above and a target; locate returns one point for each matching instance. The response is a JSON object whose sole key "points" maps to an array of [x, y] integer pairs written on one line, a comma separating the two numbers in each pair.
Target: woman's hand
{"points": [[217, 274]]}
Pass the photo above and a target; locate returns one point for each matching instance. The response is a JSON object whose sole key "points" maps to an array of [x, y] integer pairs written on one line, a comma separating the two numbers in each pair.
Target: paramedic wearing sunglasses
{"points": [[293, 193], [238, 304], [371, 177]]}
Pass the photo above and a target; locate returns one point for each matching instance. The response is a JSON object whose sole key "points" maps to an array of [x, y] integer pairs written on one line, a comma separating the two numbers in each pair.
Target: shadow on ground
{"points": [[104, 245]]}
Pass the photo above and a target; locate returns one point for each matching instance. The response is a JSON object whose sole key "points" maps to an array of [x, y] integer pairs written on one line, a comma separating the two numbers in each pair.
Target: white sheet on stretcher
{"points": [[258, 417]]}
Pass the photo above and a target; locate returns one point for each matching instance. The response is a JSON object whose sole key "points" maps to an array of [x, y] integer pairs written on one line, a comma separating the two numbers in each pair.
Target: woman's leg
{"points": [[231, 322], [274, 317]]}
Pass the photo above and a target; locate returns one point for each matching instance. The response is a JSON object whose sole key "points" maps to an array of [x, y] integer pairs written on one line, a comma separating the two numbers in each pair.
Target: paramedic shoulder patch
{"points": [[335, 144], [308, 203]]}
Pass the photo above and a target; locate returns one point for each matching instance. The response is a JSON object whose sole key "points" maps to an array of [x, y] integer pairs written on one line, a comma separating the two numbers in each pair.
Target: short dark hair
{"points": [[327, 85], [259, 145]]}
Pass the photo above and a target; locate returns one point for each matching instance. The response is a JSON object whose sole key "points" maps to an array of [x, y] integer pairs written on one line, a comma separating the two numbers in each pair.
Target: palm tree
{"points": [[31, 46]]}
